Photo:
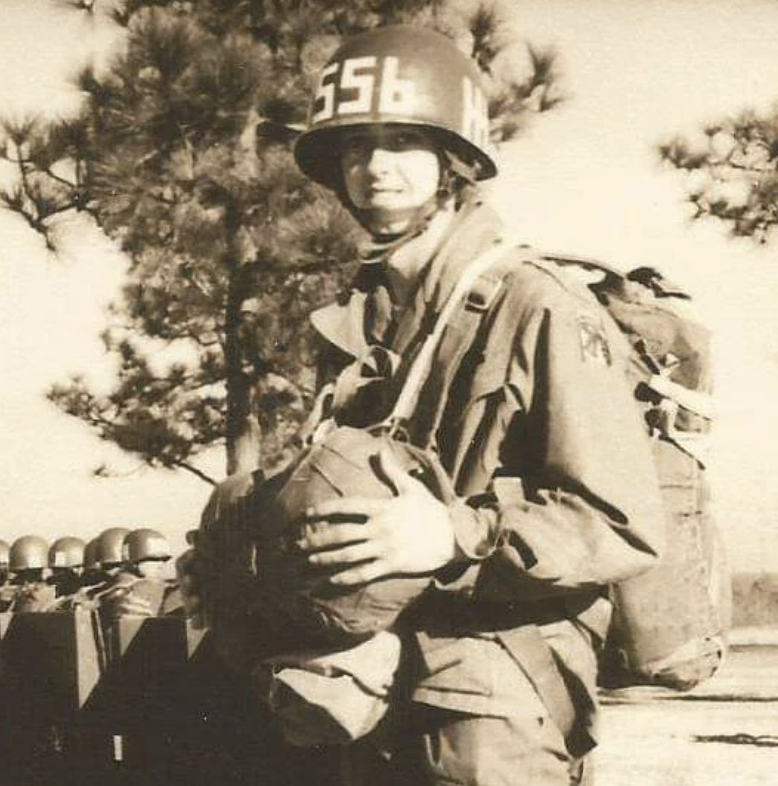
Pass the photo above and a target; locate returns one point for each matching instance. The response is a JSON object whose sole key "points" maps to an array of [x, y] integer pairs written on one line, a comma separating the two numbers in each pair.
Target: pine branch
{"points": [[182, 155], [185, 465]]}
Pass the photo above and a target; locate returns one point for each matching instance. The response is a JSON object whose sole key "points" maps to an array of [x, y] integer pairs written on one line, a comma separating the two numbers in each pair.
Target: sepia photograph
{"points": [[388, 392]]}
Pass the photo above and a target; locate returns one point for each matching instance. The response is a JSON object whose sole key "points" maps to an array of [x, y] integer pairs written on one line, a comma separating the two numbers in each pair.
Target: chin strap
{"points": [[380, 247]]}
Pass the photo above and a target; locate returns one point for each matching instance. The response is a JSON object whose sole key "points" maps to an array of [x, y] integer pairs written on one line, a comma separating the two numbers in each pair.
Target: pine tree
{"points": [[732, 172], [181, 154]]}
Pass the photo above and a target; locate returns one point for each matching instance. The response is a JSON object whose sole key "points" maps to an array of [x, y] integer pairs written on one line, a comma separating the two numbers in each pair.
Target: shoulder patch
{"points": [[594, 344]]}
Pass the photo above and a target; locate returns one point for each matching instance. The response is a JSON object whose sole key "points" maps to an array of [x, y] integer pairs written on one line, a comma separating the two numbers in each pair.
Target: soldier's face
{"points": [[28, 576], [390, 173]]}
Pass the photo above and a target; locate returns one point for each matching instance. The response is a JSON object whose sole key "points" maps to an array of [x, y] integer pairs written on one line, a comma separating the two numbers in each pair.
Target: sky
{"points": [[583, 179]]}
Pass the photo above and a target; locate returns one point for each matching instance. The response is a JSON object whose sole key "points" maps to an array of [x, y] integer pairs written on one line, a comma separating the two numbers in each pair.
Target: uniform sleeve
{"points": [[575, 502]]}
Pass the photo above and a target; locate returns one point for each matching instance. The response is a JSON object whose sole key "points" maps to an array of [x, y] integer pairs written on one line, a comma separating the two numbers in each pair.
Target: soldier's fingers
{"points": [[135, 602], [360, 574], [344, 508], [358, 552], [317, 537]]}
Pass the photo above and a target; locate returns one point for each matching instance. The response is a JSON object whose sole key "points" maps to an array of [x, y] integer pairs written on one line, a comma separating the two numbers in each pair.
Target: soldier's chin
{"points": [[381, 220]]}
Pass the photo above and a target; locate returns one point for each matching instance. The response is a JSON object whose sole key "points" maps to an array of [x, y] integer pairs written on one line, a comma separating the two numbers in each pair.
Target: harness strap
{"points": [[696, 401], [454, 346], [529, 649], [408, 398]]}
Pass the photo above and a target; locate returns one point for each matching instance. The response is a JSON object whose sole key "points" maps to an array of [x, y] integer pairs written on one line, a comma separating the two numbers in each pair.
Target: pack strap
{"points": [[407, 400], [454, 346], [695, 401]]}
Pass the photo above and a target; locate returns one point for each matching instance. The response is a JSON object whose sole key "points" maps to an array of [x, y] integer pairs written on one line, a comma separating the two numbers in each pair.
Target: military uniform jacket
{"points": [[528, 406]]}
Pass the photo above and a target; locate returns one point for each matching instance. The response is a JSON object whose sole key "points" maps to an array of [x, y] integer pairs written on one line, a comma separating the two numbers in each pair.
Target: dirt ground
{"points": [[723, 733]]}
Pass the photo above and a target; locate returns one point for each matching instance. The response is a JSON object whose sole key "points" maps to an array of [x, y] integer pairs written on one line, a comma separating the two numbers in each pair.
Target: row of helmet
{"points": [[113, 547]]}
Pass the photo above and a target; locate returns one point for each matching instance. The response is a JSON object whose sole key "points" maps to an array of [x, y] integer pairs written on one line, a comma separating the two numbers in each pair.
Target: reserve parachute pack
{"points": [[670, 624]]}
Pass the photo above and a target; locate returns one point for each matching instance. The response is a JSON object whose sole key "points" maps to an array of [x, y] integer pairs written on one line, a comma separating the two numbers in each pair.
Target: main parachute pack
{"points": [[670, 624]]}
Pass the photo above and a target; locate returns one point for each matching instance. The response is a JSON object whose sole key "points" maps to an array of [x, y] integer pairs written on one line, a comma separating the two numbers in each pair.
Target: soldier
{"points": [[532, 417], [92, 581], [527, 407], [102, 562], [6, 589], [66, 562], [142, 588], [28, 563], [4, 553], [93, 573], [148, 553], [108, 551]]}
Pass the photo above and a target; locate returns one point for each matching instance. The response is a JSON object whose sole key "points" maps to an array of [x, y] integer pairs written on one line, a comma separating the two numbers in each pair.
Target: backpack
{"points": [[669, 624]]}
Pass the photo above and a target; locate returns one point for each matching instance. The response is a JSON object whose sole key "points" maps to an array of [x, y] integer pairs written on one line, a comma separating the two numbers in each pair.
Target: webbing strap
{"points": [[696, 401], [530, 650], [409, 395]]}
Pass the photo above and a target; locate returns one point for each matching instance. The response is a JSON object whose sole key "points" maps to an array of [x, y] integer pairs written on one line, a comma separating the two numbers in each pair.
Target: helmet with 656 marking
{"points": [[401, 75]]}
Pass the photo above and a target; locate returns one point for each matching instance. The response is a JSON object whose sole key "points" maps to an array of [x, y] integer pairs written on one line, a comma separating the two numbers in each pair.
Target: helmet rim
{"points": [[318, 156]]}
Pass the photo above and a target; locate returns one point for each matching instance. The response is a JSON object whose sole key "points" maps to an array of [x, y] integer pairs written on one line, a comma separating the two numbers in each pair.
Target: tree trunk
{"points": [[242, 429]]}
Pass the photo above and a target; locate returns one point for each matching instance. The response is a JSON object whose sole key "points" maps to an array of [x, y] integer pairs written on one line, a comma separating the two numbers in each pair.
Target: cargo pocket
{"points": [[475, 675], [446, 666]]}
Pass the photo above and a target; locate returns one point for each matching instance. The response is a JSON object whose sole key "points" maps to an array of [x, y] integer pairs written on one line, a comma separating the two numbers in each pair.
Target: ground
{"points": [[723, 733]]}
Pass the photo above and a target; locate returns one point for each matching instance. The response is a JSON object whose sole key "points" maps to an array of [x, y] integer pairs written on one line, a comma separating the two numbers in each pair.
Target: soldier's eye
{"points": [[407, 138], [355, 146]]}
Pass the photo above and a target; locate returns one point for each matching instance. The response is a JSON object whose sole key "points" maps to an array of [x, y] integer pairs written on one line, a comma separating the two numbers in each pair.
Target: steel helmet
{"points": [[67, 552], [28, 553], [143, 544], [90, 555], [109, 546], [398, 74], [4, 552]]}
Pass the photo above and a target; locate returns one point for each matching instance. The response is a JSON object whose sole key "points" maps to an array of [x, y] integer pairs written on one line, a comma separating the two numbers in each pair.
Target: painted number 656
{"points": [[350, 88]]}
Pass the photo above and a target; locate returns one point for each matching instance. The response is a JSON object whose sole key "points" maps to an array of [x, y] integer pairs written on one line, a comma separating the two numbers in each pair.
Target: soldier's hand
{"points": [[370, 538]]}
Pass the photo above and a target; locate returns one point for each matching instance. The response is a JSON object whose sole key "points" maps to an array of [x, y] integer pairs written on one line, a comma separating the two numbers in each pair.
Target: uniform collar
{"points": [[475, 226]]}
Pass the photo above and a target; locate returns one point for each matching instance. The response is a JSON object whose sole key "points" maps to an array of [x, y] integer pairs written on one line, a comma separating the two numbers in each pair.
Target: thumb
{"points": [[393, 471]]}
